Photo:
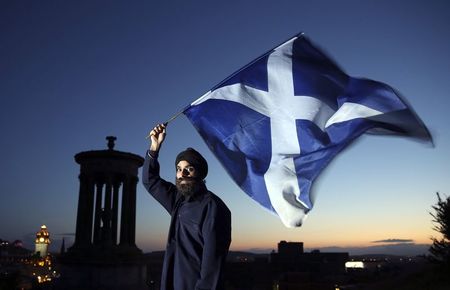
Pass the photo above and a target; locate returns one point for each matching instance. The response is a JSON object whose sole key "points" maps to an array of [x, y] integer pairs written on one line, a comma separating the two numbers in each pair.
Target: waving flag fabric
{"points": [[276, 123]]}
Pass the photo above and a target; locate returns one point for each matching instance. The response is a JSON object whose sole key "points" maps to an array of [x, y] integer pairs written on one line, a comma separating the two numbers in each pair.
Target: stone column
{"points": [[83, 234], [125, 220], [115, 209], [89, 209], [106, 214], [98, 211], [80, 233]]}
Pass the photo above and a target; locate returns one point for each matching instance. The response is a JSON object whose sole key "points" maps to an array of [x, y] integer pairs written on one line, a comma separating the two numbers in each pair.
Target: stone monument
{"points": [[104, 254]]}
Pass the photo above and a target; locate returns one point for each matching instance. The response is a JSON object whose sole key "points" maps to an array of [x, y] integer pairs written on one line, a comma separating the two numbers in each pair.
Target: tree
{"points": [[440, 249]]}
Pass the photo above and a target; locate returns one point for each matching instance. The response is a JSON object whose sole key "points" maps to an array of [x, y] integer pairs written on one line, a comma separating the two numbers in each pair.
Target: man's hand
{"points": [[157, 136]]}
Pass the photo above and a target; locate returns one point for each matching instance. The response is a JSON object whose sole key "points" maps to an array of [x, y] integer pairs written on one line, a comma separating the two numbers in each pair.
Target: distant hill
{"points": [[241, 256], [397, 249], [386, 250]]}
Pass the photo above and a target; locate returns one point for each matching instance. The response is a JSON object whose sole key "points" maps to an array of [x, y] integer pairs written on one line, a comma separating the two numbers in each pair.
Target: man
{"points": [[200, 229]]}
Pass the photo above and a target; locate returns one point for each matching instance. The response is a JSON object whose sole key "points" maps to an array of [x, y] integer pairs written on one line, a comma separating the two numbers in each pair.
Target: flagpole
{"points": [[183, 110], [172, 118]]}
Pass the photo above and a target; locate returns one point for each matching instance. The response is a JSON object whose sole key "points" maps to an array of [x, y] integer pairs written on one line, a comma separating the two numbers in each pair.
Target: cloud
{"points": [[396, 241]]}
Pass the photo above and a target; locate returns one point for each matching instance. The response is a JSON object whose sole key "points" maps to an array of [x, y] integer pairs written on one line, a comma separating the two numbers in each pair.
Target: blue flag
{"points": [[276, 123]]}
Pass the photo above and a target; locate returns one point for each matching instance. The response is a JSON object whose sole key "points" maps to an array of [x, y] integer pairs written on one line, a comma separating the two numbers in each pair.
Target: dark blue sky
{"points": [[73, 72]]}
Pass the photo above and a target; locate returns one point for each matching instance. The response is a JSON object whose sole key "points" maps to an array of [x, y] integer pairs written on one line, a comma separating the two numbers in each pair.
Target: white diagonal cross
{"points": [[282, 107]]}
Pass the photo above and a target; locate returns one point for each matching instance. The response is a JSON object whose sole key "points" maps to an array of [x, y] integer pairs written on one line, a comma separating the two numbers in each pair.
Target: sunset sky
{"points": [[74, 72]]}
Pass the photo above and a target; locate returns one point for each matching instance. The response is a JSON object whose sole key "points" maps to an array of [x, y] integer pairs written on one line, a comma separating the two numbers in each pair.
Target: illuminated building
{"points": [[42, 241], [354, 265]]}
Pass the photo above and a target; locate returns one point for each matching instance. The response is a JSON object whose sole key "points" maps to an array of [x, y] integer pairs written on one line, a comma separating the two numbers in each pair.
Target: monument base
{"points": [[116, 268]]}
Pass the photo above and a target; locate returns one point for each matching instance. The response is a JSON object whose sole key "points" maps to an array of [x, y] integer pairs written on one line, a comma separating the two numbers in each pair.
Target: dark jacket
{"points": [[199, 233]]}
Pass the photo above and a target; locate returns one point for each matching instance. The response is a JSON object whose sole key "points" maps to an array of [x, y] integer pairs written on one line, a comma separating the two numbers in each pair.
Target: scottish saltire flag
{"points": [[276, 123]]}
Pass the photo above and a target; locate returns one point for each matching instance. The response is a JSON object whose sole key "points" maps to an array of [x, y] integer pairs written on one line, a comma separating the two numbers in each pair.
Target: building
{"points": [[13, 252], [41, 242], [295, 269], [289, 268], [291, 258]]}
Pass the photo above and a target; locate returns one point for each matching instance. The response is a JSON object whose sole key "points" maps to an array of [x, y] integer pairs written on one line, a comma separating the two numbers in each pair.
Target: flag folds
{"points": [[276, 123]]}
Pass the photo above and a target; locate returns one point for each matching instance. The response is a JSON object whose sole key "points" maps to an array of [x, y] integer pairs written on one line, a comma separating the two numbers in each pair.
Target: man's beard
{"points": [[190, 187]]}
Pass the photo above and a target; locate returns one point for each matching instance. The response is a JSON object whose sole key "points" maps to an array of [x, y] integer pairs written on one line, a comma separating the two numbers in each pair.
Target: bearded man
{"points": [[200, 227]]}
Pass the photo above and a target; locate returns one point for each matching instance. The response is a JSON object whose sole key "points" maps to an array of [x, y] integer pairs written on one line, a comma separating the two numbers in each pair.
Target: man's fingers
{"points": [[160, 128], [151, 134]]}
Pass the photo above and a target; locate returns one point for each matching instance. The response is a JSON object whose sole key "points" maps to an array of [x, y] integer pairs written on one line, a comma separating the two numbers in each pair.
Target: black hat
{"points": [[195, 159]]}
